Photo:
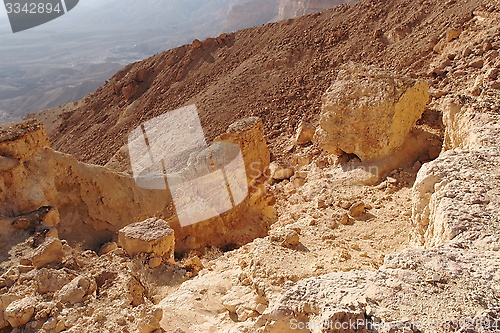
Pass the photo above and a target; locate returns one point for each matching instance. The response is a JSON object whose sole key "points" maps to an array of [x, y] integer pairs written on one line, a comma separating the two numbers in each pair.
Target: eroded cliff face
{"points": [[95, 202]]}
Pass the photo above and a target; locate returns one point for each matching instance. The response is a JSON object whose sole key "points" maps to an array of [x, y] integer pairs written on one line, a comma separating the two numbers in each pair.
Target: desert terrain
{"points": [[66, 59], [369, 137]]}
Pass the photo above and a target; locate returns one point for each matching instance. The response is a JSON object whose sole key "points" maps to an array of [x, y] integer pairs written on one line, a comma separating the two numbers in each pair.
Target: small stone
{"points": [[148, 324], [49, 252], [357, 209], [75, 291], [108, 247], [321, 204], [452, 34], [467, 52], [478, 63], [61, 325], [280, 173], [50, 324], [19, 312], [52, 217], [345, 219], [261, 308], [392, 180], [154, 262], [193, 265], [285, 237], [475, 91], [5, 301], [51, 280], [492, 73], [305, 133], [151, 236]]}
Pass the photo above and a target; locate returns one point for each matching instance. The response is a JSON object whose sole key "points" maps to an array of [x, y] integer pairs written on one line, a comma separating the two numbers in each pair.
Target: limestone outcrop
{"points": [[376, 301], [94, 202], [369, 112]]}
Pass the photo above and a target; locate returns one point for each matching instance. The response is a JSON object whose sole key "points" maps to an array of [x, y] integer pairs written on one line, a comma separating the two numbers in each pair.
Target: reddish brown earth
{"points": [[278, 72]]}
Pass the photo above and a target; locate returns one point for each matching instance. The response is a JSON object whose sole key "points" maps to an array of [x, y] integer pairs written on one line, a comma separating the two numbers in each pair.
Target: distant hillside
{"points": [[115, 33]]}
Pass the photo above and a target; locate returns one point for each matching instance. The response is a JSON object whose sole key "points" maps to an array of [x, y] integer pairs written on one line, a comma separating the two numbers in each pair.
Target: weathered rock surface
{"points": [[454, 201], [50, 251], [95, 202], [20, 312], [369, 112], [77, 289], [253, 216], [153, 236], [396, 296]]}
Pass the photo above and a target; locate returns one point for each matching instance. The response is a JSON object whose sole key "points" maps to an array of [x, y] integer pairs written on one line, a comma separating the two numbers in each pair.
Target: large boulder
{"points": [[456, 197], [369, 112]]}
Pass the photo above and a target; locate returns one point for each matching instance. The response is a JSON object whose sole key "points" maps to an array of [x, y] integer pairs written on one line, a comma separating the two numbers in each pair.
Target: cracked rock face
{"points": [[456, 198], [405, 286]]}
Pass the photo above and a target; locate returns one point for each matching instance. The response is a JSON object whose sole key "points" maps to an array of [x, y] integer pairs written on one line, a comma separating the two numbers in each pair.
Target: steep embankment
{"points": [[278, 72]]}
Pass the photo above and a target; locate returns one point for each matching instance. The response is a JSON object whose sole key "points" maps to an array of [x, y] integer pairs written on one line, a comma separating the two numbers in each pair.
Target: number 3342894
{"points": [[32, 8]]}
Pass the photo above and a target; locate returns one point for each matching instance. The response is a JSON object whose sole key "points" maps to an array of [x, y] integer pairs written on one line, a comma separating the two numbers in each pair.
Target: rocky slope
{"points": [[368, 237], [285, 66]]}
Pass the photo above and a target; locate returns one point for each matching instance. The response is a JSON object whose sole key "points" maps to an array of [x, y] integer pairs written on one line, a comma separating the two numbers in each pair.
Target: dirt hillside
{"points": [[278, 72]]}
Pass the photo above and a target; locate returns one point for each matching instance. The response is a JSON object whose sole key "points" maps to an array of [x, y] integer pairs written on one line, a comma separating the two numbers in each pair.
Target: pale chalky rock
{"points": [[19, 312], [369, 112], [51, 280], [50, 251], [305, 133], [243, 301], [454, 201], [77, 289], [5, 301], [285, 237], [151, 236], [279, 172]]}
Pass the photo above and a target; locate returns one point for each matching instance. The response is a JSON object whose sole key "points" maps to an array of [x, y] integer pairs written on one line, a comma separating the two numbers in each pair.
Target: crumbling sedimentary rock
{"points": [[369, 112], [376, 301], [50, 251], [94, 202]]}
